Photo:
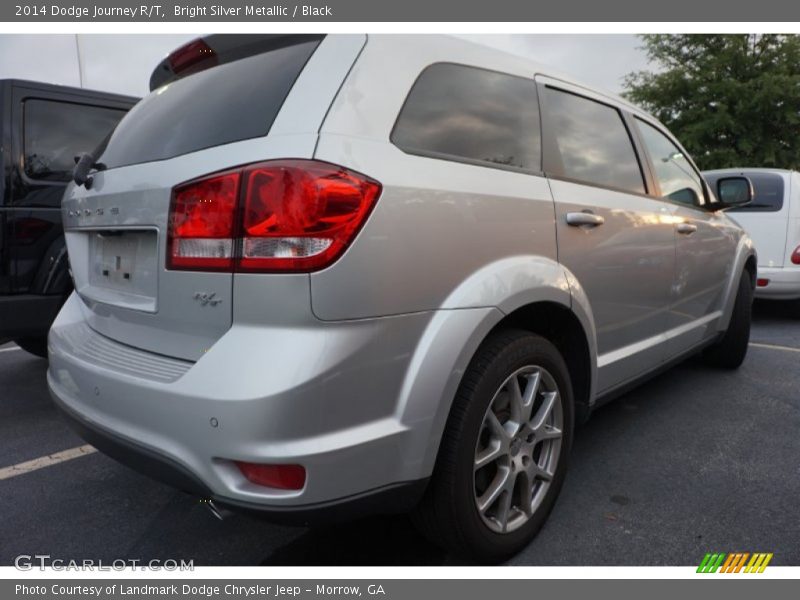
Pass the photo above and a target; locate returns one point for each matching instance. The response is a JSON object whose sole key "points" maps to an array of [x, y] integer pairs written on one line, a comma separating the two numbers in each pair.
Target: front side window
{"points": [[676, 177], [468, 114], [593, 141], [55, 132]]}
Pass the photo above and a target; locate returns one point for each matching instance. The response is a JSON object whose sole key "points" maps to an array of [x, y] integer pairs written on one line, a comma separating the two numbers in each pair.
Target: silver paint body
{"points": [[351, 371]]}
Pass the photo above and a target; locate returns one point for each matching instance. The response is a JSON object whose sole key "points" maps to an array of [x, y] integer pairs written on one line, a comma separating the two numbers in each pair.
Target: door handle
{"points": [[686, 228], [578, 219]]}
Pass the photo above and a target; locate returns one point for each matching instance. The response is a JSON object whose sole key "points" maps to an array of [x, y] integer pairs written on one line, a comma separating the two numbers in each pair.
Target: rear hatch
{"points": [[207, 121], [766, 218]]}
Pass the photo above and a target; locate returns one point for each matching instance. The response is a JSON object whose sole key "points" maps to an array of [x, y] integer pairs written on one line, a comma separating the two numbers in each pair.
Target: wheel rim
{"points": [[517, 449]]}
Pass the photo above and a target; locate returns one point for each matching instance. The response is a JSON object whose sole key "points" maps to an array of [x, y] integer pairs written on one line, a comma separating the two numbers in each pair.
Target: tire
{"points": [[34, 345], [730, 350], [449, 514]]}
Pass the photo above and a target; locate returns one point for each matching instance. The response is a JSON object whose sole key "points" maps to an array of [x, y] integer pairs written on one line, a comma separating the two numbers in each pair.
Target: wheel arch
{"points": [[549, 318], [745, 260], [751, 267], [562, 327]]}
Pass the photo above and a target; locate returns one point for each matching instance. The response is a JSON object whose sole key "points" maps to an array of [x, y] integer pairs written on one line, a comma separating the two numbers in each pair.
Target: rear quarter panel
{"points": [[437, 229], [438, 226]]}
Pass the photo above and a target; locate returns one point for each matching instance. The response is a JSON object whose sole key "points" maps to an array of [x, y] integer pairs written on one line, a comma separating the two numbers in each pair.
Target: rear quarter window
{"points": [[767, 188], [466, 114], [228, 103]]}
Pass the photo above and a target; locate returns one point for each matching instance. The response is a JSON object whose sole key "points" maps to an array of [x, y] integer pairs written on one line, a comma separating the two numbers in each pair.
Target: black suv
{"points": [[42, 128]]}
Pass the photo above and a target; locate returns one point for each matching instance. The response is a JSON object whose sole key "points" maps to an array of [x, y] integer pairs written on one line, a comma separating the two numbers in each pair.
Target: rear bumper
{"points": [[784, 283], [27, 315], [325, 398], [399, 497]]}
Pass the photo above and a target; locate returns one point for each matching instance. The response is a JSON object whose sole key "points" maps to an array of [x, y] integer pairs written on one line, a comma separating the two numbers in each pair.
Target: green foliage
{"points": [[732, 100]]}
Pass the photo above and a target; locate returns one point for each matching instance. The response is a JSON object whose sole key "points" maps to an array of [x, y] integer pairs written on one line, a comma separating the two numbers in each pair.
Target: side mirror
{"points": [[733, 192]]}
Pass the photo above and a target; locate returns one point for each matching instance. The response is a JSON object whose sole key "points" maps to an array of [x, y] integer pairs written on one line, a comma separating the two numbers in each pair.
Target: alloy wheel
{"points": [[517, 449]]}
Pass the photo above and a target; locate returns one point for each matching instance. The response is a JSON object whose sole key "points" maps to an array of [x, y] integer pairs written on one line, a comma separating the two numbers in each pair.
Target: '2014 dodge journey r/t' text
{"points": [[331, 275]]}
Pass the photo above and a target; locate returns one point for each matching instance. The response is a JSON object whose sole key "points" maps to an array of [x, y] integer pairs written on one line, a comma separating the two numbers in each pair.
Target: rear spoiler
{"points": [[212, 50]]}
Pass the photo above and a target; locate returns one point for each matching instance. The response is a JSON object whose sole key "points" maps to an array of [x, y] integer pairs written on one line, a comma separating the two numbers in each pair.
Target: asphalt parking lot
{"points": [[696, 460]]}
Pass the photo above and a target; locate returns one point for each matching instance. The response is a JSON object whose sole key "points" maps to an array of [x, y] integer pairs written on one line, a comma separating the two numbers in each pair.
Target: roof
{"points": [[437, 45]]}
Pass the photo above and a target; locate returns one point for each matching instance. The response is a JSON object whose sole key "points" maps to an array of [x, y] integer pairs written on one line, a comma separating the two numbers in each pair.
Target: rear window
{"points": [[234, 101], [768, 188], [55, 132], [466, 114]]}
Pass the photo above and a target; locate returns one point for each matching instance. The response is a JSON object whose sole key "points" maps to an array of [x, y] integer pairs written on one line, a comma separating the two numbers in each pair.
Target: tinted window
{"points": [[676, 176], [231, 102], [594, 142], [462, 112], [55, 132], [767, 188]]}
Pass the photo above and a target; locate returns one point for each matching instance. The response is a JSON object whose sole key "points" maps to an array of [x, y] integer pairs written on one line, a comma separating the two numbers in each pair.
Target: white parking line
{"points": [[774, 347], [12, 349], [45, 461]]}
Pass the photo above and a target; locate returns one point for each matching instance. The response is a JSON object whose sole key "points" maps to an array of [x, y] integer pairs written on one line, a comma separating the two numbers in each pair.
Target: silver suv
{"points": [[320, 276]]}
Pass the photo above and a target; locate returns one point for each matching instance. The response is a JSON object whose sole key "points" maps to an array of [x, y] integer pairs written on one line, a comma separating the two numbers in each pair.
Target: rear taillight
{"points": [[277, 216], [796, 256], [202, 220], [300, 215]]}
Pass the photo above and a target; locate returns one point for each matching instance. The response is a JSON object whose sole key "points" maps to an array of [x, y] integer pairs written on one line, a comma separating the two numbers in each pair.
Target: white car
{"points": [[773, 221]]}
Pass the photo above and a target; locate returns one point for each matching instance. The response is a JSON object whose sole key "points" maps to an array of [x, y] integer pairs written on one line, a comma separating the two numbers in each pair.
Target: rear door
{"points": [[250, 109], [615, 239], [705, 241]]}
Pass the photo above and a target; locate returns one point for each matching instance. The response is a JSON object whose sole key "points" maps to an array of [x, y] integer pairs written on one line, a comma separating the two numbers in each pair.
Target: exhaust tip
{"points": [[216, 510]]}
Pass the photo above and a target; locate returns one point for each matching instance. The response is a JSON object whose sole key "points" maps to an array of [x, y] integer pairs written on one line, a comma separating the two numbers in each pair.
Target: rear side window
{"points": [[234, 101], [466, 114], [593, 141], [55, 132], [767, 188]]}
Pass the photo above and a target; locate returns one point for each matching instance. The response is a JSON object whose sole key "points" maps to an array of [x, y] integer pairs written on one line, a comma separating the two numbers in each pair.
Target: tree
{"points": [[732, 100]]}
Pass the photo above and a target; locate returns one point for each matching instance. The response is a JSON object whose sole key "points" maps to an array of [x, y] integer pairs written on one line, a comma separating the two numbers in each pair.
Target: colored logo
{"points": [[735, 562]]}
